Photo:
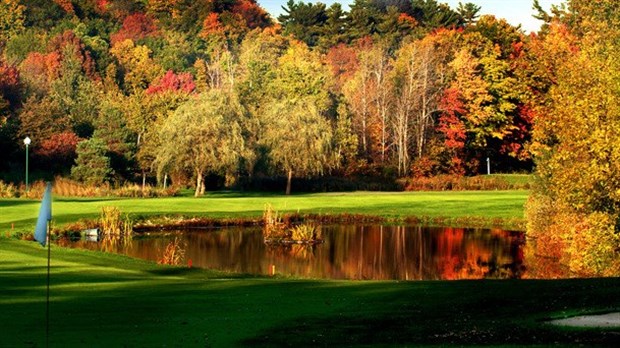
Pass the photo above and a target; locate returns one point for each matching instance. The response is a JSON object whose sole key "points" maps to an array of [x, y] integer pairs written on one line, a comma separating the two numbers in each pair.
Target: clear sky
{"points": [[514, 11]]}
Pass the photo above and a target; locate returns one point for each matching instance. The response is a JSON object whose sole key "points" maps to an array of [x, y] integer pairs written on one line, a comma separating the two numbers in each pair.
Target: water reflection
{"points": [[348, 252]]}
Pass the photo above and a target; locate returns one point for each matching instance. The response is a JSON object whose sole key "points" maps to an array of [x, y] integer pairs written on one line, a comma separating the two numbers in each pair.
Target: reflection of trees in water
{"points": [[399, 252], [542, 266], [348, 252]]}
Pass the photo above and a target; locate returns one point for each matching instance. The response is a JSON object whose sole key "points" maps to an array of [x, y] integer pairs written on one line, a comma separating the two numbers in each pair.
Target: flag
{"points": [[45, 216]]}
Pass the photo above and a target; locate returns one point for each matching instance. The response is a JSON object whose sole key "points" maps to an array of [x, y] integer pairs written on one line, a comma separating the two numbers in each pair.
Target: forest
{"points": [[215, 93]]}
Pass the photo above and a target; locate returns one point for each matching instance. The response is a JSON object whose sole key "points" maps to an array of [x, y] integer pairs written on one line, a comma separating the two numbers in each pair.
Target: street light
{"points": [[488, 166], [27, 142]]}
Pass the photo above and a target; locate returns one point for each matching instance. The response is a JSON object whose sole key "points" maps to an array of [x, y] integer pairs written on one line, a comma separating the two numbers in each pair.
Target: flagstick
{"points": [[47, 309]]}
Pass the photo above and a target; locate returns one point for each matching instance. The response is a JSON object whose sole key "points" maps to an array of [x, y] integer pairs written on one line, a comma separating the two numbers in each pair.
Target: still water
{"points": [[347, 252]]}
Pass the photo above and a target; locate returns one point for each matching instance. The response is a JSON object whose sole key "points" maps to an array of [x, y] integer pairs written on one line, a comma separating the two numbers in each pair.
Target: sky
{"points": [[514, 11]]}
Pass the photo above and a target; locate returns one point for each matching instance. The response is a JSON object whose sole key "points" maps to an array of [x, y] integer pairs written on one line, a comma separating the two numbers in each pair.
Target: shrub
{"points": [[7, 190], [462, 183]]}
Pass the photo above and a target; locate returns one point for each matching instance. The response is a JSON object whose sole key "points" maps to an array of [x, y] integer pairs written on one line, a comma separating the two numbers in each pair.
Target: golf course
{"points": [[103, 299]]}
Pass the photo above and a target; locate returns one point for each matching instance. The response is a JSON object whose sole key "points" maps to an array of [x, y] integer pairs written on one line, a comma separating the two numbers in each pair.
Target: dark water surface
{"points": [[347, 252]]}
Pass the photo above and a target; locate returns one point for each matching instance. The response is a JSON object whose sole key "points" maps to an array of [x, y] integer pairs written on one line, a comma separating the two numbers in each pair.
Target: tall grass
{"points": [[69, 188], [8, 190], [113, 223]]}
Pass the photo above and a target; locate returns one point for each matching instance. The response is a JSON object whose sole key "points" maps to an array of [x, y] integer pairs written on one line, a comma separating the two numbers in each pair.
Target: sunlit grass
{"points": [[22, 213]]}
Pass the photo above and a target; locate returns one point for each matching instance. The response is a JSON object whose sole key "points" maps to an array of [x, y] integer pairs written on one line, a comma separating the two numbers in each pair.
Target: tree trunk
{"points": [[143, 180], [165, 181], [288, 182], [199, 185]]}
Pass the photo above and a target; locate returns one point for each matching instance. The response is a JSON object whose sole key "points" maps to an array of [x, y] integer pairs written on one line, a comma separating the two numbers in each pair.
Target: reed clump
{"points": [[305, 232], [280, 229], [273, 225], [113, 222]]}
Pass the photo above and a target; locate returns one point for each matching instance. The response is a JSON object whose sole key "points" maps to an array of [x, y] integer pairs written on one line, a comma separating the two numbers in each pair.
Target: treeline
{"points": [[131, 91]]}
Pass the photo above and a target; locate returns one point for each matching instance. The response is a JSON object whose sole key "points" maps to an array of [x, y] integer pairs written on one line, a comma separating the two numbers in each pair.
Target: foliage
{"points": [[389, 88], [7, 190], [11, 19], [203, 135], [135, 27], [92, 165], [576, 137], [458, 183]]}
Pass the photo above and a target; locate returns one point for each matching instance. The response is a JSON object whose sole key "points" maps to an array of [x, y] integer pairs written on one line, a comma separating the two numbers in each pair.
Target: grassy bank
{"points": [[101, 300], [464, 208]]}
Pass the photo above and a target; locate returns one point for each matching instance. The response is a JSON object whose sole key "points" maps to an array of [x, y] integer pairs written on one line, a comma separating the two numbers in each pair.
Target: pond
{"points": [[347, 252]]}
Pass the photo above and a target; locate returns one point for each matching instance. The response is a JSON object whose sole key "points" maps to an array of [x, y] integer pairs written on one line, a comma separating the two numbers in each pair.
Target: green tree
{"points": [[203, 135], [92, 165], [305, 21], [298, 137], [469, 12], [293, 126]]}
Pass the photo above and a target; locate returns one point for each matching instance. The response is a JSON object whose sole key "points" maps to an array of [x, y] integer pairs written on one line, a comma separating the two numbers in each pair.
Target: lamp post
{"points": [[27, 142], [488, 166]]}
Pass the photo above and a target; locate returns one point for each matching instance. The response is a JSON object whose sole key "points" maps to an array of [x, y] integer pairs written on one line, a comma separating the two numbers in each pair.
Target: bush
{"points": [[8, 190], [462, 183]]}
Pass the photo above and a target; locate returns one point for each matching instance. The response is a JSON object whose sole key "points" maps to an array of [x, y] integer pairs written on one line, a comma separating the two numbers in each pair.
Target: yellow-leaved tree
{"points": [[574, 210]]}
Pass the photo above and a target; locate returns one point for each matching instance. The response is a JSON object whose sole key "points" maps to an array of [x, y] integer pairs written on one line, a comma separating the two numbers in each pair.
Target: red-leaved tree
{"points": [[135, 27]]}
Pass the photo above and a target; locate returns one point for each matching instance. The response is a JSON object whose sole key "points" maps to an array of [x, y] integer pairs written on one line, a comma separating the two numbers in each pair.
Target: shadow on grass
{"points": [[15, 202]]}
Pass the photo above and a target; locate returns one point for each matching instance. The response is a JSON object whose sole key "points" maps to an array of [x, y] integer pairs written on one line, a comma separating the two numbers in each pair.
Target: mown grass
{"points": [[105, 300], [21, 214]]}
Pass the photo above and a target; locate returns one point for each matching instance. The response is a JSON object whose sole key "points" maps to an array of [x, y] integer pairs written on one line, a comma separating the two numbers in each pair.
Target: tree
{"points": [[92, 165], [297, 137], [419, 77], [11, 20], [203, 135], [293, 128], [335, 29], [469, 12], [135, 27], [576, 202], [137, 65], [305, 21], [58, 152]]}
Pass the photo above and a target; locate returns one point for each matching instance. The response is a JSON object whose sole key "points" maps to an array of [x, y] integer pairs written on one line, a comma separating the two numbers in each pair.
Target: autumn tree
{"points": [[11, 20], [575, 203], [419, 77], [135, 27]]}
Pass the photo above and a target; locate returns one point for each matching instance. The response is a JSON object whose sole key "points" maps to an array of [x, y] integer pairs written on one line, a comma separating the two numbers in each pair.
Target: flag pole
{"points": [[47, 308]]}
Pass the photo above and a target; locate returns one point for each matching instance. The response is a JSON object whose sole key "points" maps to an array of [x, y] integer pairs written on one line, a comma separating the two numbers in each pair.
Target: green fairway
{"points": [[105, 300], [488, 206]]}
